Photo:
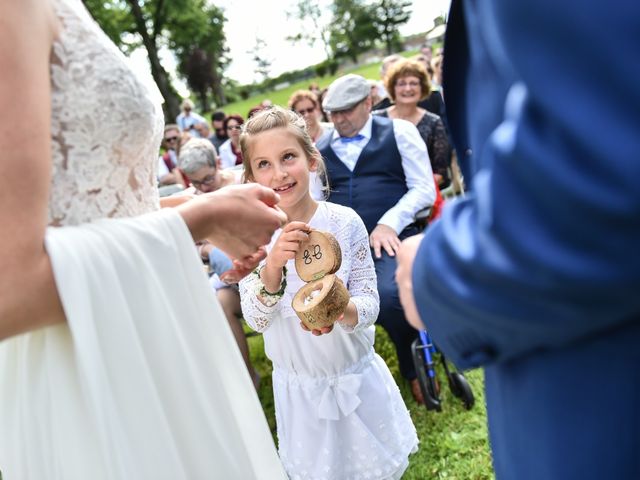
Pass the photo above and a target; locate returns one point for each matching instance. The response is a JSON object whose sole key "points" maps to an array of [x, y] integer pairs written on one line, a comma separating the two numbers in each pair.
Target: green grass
{"points": [[453, 443], [281, 97]]}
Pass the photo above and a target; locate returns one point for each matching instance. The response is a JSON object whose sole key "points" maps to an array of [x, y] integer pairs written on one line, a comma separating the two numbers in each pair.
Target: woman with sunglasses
{"points": [[230, 154], [305, 103]]}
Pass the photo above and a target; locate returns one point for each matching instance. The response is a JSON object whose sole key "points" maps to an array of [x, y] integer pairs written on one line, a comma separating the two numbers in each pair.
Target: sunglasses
{"points": [[171, 139], [234, 127], [306, 111]]}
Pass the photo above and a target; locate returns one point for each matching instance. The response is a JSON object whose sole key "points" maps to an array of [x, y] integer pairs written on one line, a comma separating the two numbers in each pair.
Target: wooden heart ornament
{"points": [[324, 298]]}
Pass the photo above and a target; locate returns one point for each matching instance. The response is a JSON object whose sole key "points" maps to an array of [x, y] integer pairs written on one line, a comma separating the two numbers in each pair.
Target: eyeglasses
{"points": [[402, 84], [208, 180], [234, 127], [171, 139], [306, 111]]}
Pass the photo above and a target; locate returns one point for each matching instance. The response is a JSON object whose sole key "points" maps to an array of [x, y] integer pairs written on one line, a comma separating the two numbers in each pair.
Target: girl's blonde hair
{"points": [[278, 117]]}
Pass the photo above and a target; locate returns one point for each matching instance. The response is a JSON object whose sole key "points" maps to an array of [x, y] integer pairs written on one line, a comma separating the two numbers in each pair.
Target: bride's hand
{"points": [[238, 219]]}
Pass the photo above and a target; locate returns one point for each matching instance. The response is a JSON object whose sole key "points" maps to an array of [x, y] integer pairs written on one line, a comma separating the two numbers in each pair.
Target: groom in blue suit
{"points": [[535, 275]]}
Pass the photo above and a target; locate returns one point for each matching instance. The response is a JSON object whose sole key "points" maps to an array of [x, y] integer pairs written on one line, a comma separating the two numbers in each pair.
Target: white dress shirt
{"points": [[415, 163], [185, 122], [227, 157], [162, 166]]}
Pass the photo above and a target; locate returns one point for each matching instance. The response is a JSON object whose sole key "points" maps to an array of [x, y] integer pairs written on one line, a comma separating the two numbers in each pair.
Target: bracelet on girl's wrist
{"points": [[270, 299]]}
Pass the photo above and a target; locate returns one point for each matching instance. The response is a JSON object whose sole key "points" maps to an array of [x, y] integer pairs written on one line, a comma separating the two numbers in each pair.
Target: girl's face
{"points": [[278, 161], [408, 90]]}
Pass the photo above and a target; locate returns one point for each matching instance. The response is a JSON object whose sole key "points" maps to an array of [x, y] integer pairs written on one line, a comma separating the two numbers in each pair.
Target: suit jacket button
{"points": [[468, 152]]}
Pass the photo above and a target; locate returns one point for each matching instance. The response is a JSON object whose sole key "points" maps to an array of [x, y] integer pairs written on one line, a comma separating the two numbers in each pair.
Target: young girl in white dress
{"points": [[339, 412]]}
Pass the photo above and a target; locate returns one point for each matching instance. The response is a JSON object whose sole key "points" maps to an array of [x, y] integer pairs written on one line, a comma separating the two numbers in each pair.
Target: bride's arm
{"points": [[238, 220], [28, 296]]}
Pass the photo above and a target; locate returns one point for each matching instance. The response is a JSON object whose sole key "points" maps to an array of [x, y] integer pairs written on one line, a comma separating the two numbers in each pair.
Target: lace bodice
{"points": [[105, 128]]}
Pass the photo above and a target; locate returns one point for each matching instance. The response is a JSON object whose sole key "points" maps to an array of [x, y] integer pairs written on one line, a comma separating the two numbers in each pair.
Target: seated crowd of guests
{"points": [[198, 157]]}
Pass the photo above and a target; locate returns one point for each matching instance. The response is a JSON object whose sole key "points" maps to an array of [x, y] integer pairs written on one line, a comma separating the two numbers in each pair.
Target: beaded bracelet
{"points": [[269, 298]]}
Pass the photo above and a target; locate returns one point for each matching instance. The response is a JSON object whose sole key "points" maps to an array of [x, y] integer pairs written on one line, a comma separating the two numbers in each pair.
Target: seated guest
{"points": [[407, 82], [219, 133], [230, 154], [203, 131], [199, 163], [305, 103], [378, 167], [188, 119], [168, 161]]}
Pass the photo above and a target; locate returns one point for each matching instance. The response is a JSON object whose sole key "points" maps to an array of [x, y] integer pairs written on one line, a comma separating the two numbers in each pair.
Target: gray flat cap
{"points": [[345, 92]]}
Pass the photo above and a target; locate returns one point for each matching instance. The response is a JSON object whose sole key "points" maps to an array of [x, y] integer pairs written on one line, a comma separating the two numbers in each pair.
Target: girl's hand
{"points": [[321, 331], [283, 250]]}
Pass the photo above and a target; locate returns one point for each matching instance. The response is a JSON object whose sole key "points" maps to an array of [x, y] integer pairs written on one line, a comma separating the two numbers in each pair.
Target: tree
{"points": [[191, 29], [263, 63], [352, 28], [389, 15], [198, 41], [314, 28]]}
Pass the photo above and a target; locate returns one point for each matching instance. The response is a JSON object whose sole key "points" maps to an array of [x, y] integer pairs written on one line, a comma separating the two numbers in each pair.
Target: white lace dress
{"points": [[339, 412], [145, 380]]}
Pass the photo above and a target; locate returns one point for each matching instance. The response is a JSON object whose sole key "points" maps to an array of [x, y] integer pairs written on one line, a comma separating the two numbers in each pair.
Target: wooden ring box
{"points": [[324, 298]]}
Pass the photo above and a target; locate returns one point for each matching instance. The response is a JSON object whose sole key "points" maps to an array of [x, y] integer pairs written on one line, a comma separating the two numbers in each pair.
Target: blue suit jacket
{"points": [[536, 273]]}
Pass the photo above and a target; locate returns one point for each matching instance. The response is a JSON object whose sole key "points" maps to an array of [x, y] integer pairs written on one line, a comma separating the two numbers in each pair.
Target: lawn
{"points": [[453, 443]]}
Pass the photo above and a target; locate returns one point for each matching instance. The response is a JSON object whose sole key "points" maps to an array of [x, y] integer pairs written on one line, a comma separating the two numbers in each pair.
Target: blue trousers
{"points": [[391, 315]]}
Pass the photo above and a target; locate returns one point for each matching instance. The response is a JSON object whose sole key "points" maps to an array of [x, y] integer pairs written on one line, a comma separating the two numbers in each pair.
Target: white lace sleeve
{"points": [[257, 315], [362, 282]]}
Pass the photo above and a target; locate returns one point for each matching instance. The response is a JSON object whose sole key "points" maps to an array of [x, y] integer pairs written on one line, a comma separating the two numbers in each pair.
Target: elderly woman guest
{"points": [[230, 154], [199, 163], [407, 83], [305, 103]]}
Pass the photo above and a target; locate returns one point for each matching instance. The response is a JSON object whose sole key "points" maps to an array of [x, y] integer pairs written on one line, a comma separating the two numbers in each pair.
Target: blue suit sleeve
{"points": [[544, 252]]}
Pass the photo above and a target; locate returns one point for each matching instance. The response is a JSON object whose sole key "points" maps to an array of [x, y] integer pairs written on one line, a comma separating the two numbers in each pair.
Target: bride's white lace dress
{"points": [[145, 381]]}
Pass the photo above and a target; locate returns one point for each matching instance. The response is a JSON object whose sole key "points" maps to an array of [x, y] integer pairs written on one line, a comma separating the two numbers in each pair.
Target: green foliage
{"points": [[191, 29], [352, 28], [453, 443], [281, 97], [312, 28], [259, 57], [389, 15], [115, 19]]}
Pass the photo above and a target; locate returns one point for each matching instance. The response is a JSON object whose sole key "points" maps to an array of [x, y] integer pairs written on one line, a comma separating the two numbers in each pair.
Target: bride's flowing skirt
{"points": [[145, 381]]}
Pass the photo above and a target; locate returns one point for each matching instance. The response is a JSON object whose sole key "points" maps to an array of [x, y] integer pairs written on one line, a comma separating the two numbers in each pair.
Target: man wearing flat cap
{"points": [[380, 168]]}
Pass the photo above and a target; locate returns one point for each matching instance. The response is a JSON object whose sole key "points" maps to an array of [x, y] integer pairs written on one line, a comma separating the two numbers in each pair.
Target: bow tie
{"points": [[357, 138]]}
